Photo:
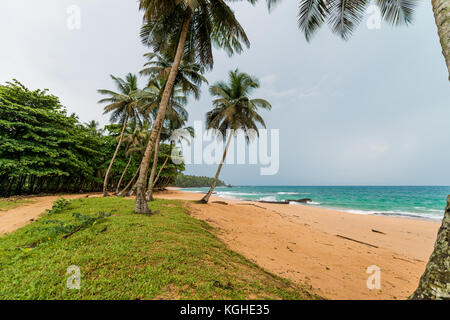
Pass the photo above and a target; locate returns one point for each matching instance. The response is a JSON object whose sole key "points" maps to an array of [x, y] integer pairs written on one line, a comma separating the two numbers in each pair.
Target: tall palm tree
{"points": [[441, 11], [186, 28], [435, 281], [234, 110], [123, 106], [188, 81]]}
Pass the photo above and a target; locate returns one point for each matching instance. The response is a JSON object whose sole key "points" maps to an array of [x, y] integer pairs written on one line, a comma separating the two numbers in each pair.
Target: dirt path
{"points": [[304, 244], [18, 217]]}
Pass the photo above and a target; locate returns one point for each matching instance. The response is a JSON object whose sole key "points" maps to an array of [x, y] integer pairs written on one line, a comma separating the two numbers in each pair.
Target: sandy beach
{"points": [[327, 249]]}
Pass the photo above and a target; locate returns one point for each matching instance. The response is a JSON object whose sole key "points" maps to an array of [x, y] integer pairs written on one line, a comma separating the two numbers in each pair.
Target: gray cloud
{"points": [[372, 110]]}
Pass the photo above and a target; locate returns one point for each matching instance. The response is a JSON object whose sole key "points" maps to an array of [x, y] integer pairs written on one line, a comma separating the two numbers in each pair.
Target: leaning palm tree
{"points": [[175, 133], [133, 135], [234, 110], [184, 29], [176, 113], [123, 106], [137, 150], [188, 81]]}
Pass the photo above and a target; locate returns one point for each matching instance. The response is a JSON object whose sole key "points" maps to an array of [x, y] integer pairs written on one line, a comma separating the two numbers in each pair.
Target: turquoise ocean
{"points": [[427, 202]]}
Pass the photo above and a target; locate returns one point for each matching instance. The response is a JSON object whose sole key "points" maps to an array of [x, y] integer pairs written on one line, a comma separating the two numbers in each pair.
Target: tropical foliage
{"points": [[45, 150], [188, 181]]}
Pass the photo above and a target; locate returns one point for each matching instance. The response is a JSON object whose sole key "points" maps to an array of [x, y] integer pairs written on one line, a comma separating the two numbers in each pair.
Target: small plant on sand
{"points": [[58, 206], [67, 228]]}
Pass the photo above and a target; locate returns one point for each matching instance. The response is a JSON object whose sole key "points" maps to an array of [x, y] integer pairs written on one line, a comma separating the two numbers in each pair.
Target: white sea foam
{"points": [[268, 198], [393, 213], [302, 203]]}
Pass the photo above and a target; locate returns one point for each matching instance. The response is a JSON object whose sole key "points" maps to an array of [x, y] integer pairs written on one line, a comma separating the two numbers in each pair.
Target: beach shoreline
{"points": [[328, 249]]}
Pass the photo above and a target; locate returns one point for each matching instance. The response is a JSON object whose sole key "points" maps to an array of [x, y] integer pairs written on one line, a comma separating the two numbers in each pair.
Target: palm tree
{"points": [[122, 106], [175, 113], [234, 110], [435, 281], [188, 81], [132, 137], [176, 134], [137, 150], [441, 11], [189, 77], [93, 126], [186, 28]]}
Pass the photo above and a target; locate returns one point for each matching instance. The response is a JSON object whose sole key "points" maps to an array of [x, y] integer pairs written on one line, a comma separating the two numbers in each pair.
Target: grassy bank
{"points": [[126, 256], [8, 204]]}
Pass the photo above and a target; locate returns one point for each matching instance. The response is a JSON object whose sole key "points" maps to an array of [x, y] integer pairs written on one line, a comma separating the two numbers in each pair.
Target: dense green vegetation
{"points": [[187, 181], [168, 255], [45, 150]]}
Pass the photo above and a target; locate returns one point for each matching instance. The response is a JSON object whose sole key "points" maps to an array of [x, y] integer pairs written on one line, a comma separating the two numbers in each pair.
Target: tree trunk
{"points": [[123, 174], [149, 194], [129, 183], [205, 199], [163, 165], [105, 183], [435, 282], [441, 10], [141, 203]]}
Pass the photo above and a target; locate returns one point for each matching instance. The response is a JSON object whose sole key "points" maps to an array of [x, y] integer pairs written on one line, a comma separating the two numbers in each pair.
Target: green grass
{"points": [[169, 255], [8, 204]]}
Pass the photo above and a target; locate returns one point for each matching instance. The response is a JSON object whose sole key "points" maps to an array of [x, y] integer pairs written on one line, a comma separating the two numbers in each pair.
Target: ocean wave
{"points": [[394, 213], [236, 193], [302, 203], [268, 198]]}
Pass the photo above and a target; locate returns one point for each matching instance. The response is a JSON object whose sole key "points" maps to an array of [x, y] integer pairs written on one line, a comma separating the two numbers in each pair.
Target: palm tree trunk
{"points": [[123, 174], [129, 183], [441, 10], [163, 165], [435, 282], [105, 183], [141, 203], [152, 174], [205, 199]]}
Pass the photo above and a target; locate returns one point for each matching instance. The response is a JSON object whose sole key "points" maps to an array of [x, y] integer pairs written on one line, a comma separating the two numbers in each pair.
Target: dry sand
{"points": [[301, 243]]}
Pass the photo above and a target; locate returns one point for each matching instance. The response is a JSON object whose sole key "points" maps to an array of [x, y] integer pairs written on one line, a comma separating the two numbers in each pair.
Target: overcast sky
{"points": [[374, 110]]}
